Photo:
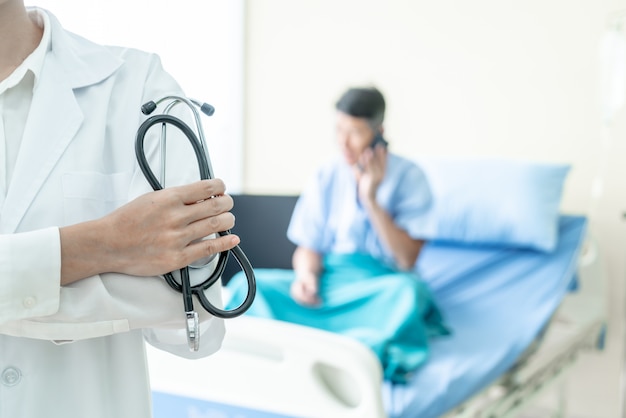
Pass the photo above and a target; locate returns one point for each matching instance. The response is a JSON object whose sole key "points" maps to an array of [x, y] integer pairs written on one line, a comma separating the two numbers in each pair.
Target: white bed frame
{"points": [[295, 371], [280, 368]]}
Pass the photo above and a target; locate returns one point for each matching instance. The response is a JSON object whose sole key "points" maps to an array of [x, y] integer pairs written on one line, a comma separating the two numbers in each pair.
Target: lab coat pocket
{"points": [[91, 195]]}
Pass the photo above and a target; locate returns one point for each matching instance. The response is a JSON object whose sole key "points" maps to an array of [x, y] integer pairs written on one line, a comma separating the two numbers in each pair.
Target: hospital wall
{"points": [[515, 79]]}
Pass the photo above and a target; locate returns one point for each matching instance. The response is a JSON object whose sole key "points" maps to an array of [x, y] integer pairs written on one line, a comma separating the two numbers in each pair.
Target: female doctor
{"points": [[82, 236]]}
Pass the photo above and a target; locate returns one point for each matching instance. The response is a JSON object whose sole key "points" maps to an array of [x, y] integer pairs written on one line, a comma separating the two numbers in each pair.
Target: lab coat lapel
{"points": [[54, 117], [53, 120]]}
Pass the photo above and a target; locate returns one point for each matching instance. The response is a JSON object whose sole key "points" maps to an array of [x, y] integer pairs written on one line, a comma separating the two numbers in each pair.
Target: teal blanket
{"points": [[391, 312]]}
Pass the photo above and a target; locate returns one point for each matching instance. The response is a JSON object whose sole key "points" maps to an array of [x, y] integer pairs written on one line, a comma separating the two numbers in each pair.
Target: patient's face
{"points": [[353, 136]]}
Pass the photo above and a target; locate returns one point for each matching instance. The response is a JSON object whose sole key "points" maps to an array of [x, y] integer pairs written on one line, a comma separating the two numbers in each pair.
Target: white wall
{"points": [[515, 79], [200, 43]]}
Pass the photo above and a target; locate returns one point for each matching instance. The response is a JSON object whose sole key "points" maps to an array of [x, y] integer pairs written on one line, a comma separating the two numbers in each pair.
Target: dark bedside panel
{"points": [[261, 222]]}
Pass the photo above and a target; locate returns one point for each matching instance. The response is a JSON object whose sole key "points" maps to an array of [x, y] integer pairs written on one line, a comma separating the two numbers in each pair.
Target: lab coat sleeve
{"points": [[30, 268], [113, 303]]}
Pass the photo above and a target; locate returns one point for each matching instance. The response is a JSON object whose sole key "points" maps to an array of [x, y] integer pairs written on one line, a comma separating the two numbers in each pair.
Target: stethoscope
{"points": [[206, 172]]}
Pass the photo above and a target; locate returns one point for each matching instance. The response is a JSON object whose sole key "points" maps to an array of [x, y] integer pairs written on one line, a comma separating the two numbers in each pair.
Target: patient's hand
{"points": [[304, 289], [373, 163]]}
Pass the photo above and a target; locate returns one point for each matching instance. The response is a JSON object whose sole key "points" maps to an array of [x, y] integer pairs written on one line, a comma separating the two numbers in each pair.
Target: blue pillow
{"points": [[493, 201]]}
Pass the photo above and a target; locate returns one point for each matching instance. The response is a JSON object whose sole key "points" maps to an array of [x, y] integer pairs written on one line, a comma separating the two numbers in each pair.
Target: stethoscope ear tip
{"points": [[207, 109], [148, 108]]}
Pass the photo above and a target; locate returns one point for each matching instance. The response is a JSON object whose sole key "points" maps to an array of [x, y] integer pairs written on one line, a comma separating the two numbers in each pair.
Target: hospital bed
{"points": [[520, 320]]}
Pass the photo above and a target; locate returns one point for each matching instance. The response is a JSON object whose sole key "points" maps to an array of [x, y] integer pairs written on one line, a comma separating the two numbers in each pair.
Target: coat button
{"points": [[11, 376], [29, 302]]}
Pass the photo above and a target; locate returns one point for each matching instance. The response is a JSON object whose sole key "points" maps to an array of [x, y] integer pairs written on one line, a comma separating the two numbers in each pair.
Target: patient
{"points": [[354, 265]]}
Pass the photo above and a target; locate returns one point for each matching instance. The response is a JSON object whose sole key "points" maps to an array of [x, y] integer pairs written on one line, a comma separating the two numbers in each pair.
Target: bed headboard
{"points": [[261, 222]]}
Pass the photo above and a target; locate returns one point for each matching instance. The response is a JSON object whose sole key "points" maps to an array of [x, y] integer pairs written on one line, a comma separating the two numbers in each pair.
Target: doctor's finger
{"points": [[207, 226], [208, 208], [209, 247], [200, 190]]}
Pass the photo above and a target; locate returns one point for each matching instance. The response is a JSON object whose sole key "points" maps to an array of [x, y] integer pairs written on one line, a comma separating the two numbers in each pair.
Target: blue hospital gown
{"points": [[363, 294]]}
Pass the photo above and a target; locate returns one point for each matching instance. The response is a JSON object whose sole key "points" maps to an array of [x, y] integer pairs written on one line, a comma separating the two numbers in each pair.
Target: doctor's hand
{"points": [[156, 233]]}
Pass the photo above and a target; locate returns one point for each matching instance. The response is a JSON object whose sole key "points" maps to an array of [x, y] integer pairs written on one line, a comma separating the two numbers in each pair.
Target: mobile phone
{"points": [[378, 139]]}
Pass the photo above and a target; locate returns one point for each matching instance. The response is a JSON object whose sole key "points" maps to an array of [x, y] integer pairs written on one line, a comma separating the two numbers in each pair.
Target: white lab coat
{"points": [[78, 351]]}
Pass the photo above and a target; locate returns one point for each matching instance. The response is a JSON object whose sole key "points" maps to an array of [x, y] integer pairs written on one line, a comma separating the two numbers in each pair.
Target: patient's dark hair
{"points": [[363, 102]]}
